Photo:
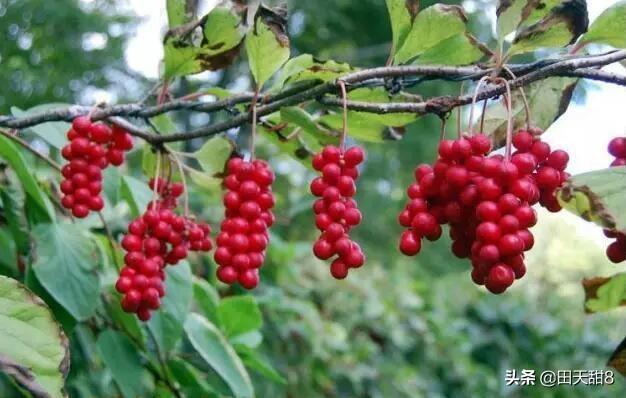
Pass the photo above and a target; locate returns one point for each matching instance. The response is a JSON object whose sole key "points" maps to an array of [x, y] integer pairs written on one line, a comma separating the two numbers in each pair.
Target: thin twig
{"points": [[577, 66], [27, 146]]}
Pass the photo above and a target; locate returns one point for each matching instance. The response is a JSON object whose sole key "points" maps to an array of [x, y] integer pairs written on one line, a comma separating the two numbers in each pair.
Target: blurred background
{"points": [[397, 327]]}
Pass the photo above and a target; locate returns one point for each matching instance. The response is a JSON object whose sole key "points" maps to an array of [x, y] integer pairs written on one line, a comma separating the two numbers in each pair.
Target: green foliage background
{"points": [[396, 328]]}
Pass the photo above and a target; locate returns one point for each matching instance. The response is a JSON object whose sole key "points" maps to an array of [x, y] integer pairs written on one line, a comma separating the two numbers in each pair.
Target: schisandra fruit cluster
{"points": [[155, 239], [244, 236], [92, 147], [336, 212], [487, 202]]}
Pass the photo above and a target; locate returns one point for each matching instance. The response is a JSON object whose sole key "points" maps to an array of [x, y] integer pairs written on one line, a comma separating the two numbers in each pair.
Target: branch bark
{"points": [[579, 66]]}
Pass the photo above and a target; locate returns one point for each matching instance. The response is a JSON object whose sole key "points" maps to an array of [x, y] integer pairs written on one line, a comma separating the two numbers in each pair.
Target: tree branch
{"points": [[577, 66]]}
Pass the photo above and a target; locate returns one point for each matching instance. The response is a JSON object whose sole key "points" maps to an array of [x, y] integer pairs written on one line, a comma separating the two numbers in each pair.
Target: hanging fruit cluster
{"points": [[616, 251], [244, 235], [336, 212], [486, 200], [155, 239], [92, 147]]}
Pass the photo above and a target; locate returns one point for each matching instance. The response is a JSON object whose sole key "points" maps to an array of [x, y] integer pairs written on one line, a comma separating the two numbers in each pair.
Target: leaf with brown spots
{"points": [[561, 26], [222, 36], [598, 196], [604, 294], [267, 43]]}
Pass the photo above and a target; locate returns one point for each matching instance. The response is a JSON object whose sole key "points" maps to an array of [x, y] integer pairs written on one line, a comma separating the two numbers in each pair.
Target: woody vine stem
{"points": [[325, 93]]}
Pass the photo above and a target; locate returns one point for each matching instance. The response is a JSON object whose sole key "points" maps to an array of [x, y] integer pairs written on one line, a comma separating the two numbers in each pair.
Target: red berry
{"points": [[617, 147], [410, 244], [523, 141], [338, 269], [499, 279], [353, 156]]}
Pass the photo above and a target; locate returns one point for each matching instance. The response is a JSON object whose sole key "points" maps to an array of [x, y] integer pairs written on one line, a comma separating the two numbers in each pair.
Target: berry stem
{"points": [[254, 122], [471, 115], [184, 182], [509, 122], [524, 99], [458, 112], [442, 134], [482, 116], [157, 174], [344, 99]]}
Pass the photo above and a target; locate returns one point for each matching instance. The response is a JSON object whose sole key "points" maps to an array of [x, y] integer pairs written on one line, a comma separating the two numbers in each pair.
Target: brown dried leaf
{"points": [[618, 358]]}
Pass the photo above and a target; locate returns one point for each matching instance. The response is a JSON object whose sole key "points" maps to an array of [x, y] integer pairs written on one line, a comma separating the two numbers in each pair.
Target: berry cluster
{"points": [[157, 238], [617, 148], [92, 147], [244, 235], [616, 251], [336, 212], [486, 201]]}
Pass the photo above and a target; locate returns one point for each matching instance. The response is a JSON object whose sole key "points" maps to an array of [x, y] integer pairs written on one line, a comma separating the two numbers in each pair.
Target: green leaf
{"points": [[359, 127], [13, 203], [54, 133], [127, 322], [380, 95], [461, 49], [548, 100], [136, 193], [305, 67], [267, 46], [432, 25], [302, 119], [560, 27], [31, 339], [8, 261], [214, 154], [239, 315], [212, 346], [402, 14], [123, 360], [509, 13], [367, 126], [167, 323], [604, 294], [253, 360], [14, 158], [609, 28], [222, 31], [181, 60], [65, 261], [191, 379], [293, 146], [176, 13], [222, 37], [598, 196], [207, 298]]}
